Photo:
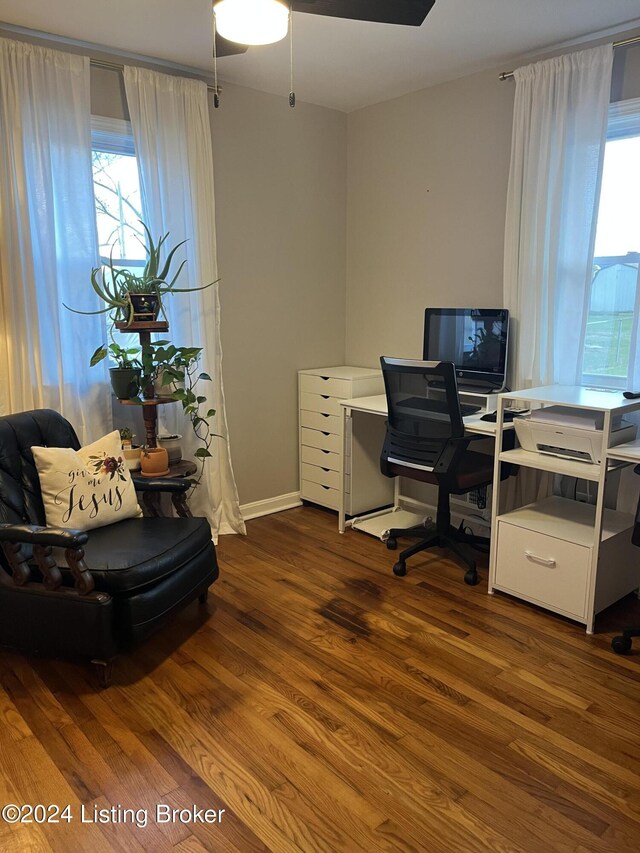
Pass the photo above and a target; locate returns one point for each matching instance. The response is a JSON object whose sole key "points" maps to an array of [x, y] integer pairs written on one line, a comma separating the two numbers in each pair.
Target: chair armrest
{"points": [[175, 485], [32, 534], [43, 540]]}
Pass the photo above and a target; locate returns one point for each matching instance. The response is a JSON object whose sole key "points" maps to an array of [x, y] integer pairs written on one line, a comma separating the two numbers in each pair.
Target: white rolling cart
{"points": [[572, 558]]}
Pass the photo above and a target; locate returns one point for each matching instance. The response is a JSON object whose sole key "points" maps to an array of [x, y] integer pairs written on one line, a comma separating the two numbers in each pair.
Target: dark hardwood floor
{"points": [[327, 705]]}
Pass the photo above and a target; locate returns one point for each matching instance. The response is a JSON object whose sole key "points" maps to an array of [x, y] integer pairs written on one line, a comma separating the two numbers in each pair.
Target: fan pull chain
{"points": [[292, 94], [216, 93]]}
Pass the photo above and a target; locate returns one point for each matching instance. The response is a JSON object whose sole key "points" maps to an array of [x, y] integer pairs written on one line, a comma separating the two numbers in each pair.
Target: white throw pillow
{"points": [[86, 488]]}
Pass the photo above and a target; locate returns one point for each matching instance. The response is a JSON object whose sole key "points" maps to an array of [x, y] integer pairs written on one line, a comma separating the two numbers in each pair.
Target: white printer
{"points": [[571, 433]]}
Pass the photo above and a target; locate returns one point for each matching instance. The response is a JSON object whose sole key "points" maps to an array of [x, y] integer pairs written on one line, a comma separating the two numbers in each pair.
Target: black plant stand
{"points": [[150, 402]]}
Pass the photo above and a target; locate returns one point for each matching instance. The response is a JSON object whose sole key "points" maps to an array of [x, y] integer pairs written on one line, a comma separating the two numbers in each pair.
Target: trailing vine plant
{"points": [[178, 370]]}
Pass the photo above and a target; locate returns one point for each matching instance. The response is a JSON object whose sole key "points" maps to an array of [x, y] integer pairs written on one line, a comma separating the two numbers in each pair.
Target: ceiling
{"points": [[338, 63]]}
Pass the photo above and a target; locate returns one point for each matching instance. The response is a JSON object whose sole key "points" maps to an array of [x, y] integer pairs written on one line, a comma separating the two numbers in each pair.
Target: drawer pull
{"points": [[325, 396], [542, 560]]}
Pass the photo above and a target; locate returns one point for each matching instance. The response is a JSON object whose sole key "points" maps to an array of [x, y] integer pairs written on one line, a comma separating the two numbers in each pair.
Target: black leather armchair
{"points": [[88, 594]]}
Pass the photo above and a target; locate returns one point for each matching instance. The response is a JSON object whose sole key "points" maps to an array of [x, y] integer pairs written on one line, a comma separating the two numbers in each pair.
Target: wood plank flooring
{"points": [[327, 705]]}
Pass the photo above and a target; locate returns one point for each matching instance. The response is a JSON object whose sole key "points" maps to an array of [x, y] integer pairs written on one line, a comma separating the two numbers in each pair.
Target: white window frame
{"points": [[114, 136], [623, 122]]}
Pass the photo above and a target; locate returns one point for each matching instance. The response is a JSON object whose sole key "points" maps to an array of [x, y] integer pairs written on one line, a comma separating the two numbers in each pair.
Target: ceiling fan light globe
{"points": [[252, 21]]}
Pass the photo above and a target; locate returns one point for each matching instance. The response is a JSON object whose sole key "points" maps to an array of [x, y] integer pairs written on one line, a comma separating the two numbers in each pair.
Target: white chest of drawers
{"points": [[323, 447]]}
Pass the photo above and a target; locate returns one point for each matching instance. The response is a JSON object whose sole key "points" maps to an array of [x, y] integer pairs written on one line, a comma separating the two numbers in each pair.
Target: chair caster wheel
{"points": [[471, 577], [392, 544], [400, 569], [621, 645]]}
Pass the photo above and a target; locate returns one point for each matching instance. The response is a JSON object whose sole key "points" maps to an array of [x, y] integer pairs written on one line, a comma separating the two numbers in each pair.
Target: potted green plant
{"points": [[126, 437], [167, 364], [130, 451], [138, 298], [178, 377], [173, 445], [125, 377], [154, 461]]}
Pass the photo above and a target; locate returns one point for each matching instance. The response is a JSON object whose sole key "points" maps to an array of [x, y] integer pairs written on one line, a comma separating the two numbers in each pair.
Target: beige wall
{"points": [[427, 179], [425, 176], [280, 178], [281, 220], [281, 183], [385, 211], [626, 72], [108, 97], [427, 182]]}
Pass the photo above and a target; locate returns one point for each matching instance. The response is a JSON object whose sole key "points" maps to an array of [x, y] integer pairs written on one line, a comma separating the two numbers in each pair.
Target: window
{"points": [[611, 334], [116, 186]]}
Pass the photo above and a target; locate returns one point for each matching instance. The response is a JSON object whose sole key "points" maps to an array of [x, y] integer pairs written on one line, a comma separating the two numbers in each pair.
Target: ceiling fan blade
{"points": [[224, 47], [408, 12]]}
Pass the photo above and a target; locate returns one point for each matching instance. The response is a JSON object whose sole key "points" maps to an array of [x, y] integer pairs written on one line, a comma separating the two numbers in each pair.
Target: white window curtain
{"points": [[170, 121], [559, 131], [48, 240]]}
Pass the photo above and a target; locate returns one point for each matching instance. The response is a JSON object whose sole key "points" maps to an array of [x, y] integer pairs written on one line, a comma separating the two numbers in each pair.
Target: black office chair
{"points": [[621, 645], [425, 441]]}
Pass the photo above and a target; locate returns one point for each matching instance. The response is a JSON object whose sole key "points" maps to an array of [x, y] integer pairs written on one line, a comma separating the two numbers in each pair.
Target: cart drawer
{"points": [[548, 571]]}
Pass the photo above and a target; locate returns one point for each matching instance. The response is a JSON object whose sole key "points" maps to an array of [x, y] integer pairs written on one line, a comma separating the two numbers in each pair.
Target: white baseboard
{"points": [[283, 502], [270, 505]]}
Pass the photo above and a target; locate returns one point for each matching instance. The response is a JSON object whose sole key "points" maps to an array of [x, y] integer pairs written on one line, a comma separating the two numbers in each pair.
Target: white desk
{"points": [[572, 558], [377, 405]]}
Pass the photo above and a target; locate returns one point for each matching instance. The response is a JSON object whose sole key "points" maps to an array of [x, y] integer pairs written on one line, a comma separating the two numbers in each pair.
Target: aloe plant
{"points": [[156, 278]]}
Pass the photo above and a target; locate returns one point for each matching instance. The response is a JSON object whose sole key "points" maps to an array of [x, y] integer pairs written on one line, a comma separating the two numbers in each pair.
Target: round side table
{"points": [[151, 501]]}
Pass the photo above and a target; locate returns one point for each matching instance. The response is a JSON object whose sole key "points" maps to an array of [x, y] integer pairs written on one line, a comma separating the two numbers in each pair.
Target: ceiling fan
{"points": [[409, 13]]}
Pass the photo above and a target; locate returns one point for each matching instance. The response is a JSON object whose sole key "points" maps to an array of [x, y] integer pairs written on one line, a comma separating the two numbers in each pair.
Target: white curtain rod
{"points": [[508, 75]]}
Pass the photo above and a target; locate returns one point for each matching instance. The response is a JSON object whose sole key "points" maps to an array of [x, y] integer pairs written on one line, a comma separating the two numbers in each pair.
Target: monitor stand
{"points": [[473, 396], [480, 387], [488, 401]]}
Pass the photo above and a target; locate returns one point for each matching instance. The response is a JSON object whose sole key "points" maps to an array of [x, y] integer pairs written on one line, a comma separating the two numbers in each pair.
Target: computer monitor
{"points": [[476, 340]]}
